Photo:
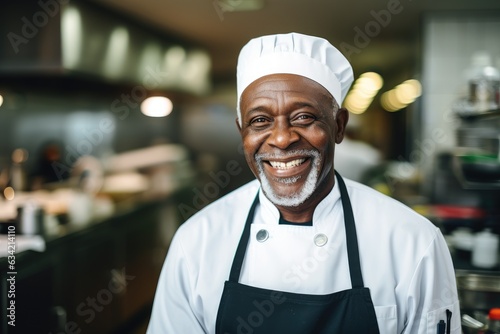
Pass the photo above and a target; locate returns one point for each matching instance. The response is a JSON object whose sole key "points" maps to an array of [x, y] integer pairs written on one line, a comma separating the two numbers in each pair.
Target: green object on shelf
{"points": [[480, 167], [481, 158]]}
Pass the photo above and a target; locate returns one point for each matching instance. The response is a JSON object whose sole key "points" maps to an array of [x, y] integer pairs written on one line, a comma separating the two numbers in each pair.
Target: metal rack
{"points": [[476, 160]]}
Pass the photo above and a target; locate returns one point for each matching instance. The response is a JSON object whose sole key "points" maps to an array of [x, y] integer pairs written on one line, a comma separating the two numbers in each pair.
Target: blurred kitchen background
{"points": [[117, 123]]}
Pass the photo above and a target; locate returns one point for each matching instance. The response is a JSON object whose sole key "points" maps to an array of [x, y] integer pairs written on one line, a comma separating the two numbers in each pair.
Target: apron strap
{"points": [[234, 275], [351, 237]]}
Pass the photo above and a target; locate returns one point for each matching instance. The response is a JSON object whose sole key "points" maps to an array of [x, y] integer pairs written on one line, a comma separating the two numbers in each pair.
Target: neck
{"points": [[296, 215]]}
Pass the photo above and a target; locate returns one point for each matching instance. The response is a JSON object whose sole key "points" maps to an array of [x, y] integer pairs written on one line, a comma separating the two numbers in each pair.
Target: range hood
{"points": [[62, 37]]}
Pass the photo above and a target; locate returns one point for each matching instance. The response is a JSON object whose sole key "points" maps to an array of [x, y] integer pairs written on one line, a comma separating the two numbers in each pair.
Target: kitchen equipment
{"points": [[479, 135], [485, 250], [471, 325], [493, 321], [30, 219], [459, 220], [478, 291], [478, 167], [462, 241]]}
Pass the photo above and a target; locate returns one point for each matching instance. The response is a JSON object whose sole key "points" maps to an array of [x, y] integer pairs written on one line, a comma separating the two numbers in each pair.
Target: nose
{"points": [[282, 135]]}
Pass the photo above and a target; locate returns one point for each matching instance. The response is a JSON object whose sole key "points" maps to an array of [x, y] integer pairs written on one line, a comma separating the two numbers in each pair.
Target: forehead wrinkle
{"points": [[261, 100], [295, 90]]}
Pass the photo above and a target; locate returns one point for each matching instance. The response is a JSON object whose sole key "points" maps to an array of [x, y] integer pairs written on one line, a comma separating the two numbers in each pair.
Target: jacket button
{"points": [[320, 240], [262, 235]]}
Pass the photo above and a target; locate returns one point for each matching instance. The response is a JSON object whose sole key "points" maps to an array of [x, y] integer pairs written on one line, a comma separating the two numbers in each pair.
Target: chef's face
{"points": [[289, 127]]}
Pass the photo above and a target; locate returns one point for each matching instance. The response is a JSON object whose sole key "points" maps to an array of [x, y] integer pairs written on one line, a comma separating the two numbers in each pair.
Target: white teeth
{"points": [[287, 165]]}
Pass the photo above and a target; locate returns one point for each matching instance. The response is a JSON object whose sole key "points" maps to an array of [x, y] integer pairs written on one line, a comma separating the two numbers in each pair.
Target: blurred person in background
{"points": [[47, 168], [355, 157], [300, 249]]}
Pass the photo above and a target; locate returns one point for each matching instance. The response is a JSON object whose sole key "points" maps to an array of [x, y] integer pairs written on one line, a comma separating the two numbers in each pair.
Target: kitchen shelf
{"points": [[471, 184], [471, 114]]}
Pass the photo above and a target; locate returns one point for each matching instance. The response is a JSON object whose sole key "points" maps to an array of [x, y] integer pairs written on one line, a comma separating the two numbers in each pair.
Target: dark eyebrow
{"points": [[261, 107]]}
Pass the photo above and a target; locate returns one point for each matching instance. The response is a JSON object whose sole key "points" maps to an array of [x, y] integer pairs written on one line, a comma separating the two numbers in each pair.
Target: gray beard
{"points": [[291, 200]]}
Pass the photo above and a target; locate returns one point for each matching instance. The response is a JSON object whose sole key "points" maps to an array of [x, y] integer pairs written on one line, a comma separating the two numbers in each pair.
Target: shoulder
{"points": [[206, 242]]}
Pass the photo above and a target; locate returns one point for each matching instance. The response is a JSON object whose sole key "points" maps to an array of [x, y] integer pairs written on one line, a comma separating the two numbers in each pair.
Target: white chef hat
{"points": [[312, 57]]}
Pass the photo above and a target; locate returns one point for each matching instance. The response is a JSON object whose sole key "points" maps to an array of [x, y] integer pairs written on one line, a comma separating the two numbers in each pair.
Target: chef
{"points": [[301, 249]]}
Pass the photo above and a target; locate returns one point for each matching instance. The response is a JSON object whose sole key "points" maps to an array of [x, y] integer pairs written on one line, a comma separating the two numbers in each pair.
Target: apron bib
{"points": [[249, 310]]}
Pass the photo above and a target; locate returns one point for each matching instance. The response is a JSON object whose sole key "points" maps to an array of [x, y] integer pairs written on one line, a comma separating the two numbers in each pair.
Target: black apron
{"points": [[249, 310]]}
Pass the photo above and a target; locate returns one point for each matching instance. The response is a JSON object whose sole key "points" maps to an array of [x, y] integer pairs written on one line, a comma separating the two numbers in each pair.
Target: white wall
{"points": [[449, 42]]}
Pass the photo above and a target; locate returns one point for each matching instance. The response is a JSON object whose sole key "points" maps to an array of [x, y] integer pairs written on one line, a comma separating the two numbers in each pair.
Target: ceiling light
{"points": [[174, 57], [156, 106], [151, 54], [116, 53], [72, 36]]}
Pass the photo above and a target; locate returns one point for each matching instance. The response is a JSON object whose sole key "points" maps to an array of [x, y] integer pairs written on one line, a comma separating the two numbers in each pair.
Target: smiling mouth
{"points": [[287, 165]]}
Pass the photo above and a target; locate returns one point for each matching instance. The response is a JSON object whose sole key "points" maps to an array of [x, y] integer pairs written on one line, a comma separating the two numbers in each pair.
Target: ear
{"points": [[238, 124], [341, 120]]}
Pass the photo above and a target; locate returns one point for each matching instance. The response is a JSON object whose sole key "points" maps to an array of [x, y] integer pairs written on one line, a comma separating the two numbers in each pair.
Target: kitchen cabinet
{"points": [[35, 294], [99, 279]]}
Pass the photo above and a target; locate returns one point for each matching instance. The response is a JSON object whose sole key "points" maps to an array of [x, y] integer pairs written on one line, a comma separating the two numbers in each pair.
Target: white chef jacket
{"points": [[404, 259]]}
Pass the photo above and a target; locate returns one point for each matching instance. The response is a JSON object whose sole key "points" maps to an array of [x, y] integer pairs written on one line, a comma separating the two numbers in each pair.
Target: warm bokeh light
{"points": [[1, 100], [19, 155], [416, 86], [156, 106], [408, 91], [355, 104], [363, 91], [401, 96], [388, 101], [9, 193], [375, 80]]}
